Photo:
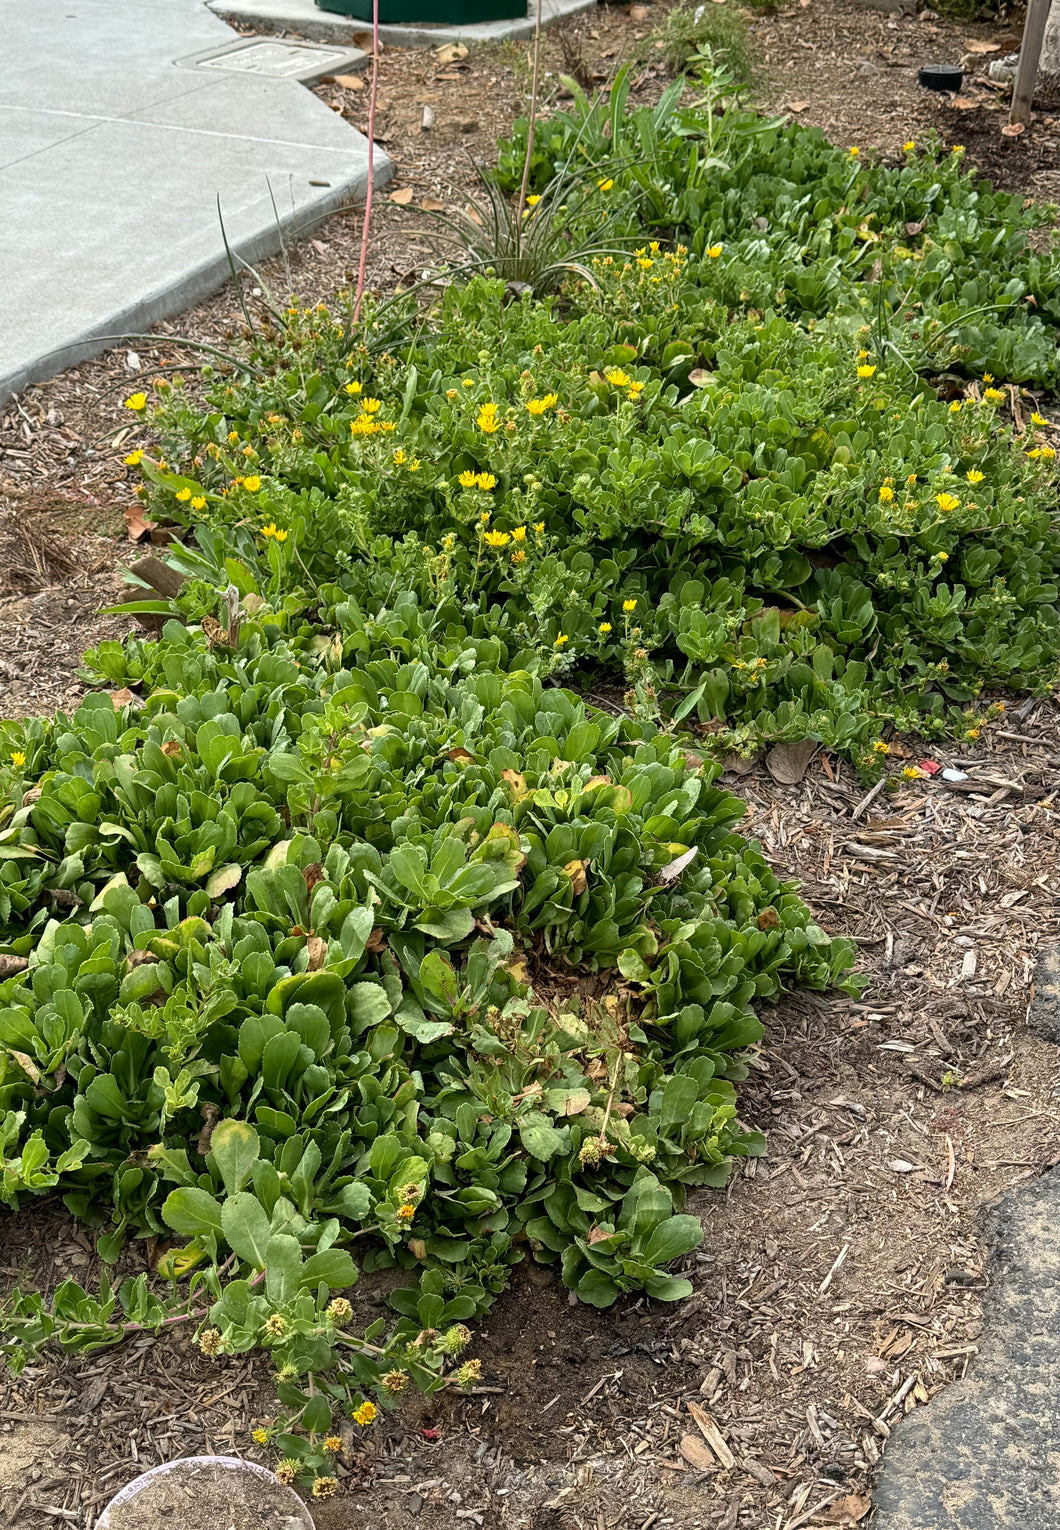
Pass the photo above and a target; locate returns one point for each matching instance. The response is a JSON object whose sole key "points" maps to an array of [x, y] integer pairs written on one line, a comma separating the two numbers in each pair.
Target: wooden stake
{"points": [[1030, 53]]}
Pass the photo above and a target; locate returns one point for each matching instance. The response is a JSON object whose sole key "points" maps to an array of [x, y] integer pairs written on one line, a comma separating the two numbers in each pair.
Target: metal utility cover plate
{"points": [[274, 59]]}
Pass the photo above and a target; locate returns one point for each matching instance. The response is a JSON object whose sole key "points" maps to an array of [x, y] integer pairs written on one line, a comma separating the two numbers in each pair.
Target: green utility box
{"points": [[438, 12]]}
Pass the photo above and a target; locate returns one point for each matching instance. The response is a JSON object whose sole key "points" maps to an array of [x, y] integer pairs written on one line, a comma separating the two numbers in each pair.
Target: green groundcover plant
{"points": [[276, 925], [336, 933]]}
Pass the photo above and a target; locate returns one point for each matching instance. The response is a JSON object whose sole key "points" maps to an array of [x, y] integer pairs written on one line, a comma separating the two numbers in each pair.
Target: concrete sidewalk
{"points": [[113, 156]]}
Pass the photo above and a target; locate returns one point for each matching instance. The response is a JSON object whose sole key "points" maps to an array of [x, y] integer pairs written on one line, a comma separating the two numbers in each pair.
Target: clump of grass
{"points": [[720, 30]]}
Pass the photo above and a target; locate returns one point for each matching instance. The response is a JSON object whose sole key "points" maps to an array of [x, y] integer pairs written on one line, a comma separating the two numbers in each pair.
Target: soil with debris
{"points": [[838, 1285]]}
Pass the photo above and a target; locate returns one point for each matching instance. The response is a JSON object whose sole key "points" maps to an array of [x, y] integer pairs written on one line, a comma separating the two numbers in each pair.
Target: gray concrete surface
{"points": [[306, 17], [112, 162], [985, 1454]]}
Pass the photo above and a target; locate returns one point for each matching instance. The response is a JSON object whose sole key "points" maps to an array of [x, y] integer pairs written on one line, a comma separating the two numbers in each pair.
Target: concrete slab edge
{"points": [[198, 283], [329, 27]]}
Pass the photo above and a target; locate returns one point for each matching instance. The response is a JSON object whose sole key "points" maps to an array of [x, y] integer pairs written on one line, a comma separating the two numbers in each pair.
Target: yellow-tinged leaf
{"points": [[576, 871], [178, 1261], [516, 782]]}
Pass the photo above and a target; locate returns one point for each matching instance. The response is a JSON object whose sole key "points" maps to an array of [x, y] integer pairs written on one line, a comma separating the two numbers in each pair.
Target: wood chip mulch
{"points": [[839, 1283]]}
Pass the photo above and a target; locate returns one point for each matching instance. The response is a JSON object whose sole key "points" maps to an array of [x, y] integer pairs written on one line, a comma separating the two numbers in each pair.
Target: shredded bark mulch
{"points": [[839, 1282]]}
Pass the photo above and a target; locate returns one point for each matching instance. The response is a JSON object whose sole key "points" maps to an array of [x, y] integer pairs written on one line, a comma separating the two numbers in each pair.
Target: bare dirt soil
{"points": [[839, 1281]]}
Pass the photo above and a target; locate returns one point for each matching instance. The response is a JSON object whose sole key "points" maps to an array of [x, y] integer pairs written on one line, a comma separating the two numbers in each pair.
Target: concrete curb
{"points": [[305, 16], [115, 157], [145, 311]]}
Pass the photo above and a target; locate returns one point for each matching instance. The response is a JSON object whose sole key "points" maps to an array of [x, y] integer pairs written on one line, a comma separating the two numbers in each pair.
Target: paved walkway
{"points": [[113, 156]]}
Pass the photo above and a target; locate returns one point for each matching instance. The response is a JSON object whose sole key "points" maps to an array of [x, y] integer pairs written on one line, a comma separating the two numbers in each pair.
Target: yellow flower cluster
{"points": [[364, 1414], [487, 419], [472, 480], [273, 533], [539, 406]]}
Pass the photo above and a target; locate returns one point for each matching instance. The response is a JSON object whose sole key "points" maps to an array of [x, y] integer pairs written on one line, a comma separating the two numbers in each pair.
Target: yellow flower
{"points": [[370, 405], [532, 201], [364, 1414], [18, 758], [452, 392], [604, 185], [406, 1212], [714, 250], [947, 502], [485, 517], [629, 605], [974, 732], [199, 502], [993, 395], [325, 1487], [467, 479], [252, 483], [399, 458], [863, 355], [496, 538], [973, 475], [1046, 453], [333, 1444], [260, 1436], [183, 495], [414, 465], [487, 419], [353, 387], [561, 638], [539, 527], [136, 401], [911, 773], [910, 146], [617, 378], [645, 263], [273, 533], [364, 425], [854, 152], [518, 533], [233, 437], [1036, 419], [879, 747], [518, 556], [942, 557], [386, 426], [135, 458], [910, 478], [955, 407], [988, 377], [605, 628], [468, 382], [635, 390], [538, 406], [486, 481], [866, 371], [886, 495]]}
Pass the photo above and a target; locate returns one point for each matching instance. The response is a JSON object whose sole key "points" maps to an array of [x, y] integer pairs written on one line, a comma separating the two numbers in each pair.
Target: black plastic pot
{"points": [[447, 12], [940, 76]]}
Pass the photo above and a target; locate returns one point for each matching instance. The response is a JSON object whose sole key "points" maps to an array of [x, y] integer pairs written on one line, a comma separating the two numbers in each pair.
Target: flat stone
{"points": [[115, 160], [306, 17], [985, 1454], [279, 59], [1043, 1016]]}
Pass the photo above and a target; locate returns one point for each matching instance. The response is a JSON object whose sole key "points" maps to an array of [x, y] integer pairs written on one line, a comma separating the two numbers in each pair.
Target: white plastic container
{"points": [[206, 1493]]}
